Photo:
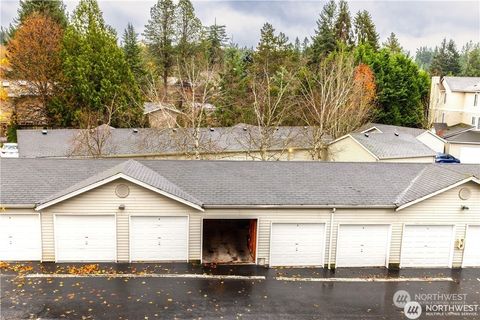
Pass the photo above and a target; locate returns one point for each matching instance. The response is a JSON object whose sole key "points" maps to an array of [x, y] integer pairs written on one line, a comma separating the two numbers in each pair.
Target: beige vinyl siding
{"points": [[455, 149], [103, 200], [432, 141], [444, 208], [347, 149]]}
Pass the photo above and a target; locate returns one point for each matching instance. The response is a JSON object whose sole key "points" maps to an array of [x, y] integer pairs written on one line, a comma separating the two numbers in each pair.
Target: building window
{"points": [[473, 121], [475, 99], [443, 117], [478, 123], [445, 98]]}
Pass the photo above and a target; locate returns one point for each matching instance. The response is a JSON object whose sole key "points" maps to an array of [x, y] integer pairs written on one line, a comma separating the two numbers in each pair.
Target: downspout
{"points": [[330, 240]]}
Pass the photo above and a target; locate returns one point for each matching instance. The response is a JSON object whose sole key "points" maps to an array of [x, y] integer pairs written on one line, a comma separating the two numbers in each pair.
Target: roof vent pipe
{"points": [[211, 129], [396, 134], [44, 131], [366, 135], [135, 130]]}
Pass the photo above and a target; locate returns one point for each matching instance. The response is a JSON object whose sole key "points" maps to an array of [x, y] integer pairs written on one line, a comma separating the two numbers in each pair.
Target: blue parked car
{"points": [[445, 158]]}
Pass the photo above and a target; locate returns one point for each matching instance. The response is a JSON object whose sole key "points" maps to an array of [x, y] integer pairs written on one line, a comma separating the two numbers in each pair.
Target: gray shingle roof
{"points": [[386, 128], [463, 84], [135, 170], [238, 183], [71, 142], [389, 145], [471, 136], [445, 131]]}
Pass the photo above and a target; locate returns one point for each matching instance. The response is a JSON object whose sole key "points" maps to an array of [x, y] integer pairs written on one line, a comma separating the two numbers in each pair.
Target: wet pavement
{"points": [[143, 297]]}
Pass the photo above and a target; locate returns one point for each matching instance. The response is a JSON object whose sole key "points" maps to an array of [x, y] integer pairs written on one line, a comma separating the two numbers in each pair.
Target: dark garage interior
{"points": [[229, 241]]}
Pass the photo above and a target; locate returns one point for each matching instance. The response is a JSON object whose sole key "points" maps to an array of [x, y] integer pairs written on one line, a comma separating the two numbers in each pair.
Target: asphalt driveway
{"points": [[181, 291]]}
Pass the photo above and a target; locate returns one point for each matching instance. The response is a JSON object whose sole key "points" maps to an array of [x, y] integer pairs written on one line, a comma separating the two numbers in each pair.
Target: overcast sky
{"points": [[416, 23]]}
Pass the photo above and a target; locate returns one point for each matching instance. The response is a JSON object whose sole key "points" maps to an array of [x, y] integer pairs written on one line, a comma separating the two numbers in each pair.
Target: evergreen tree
{"points": [[365, 32], [273, 51], [216, 40], [189, 29], [343, 25], [160, 36], [470, 59], [324, 42], [99, 82], [402, 88], [393, 44], [446, 59], [423, 57], [133, 52], [55, 9]]}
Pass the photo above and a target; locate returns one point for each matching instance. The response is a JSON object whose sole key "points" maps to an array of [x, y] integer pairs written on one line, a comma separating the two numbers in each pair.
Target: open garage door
{"points": [[229, 241], [85, 238], [427, 246], [471, 255], [297, 244], [20, 238], [158, 238], [363, 246]]}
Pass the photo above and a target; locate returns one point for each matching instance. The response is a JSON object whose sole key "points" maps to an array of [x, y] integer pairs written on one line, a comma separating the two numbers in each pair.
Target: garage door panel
{"points": [[471, 256], [362, 245], [427, 246], [297, 244], [20, 238], [85, 238], [159, 238]]}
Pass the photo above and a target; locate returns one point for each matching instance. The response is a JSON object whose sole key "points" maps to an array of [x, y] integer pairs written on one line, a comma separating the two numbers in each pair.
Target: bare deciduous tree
{"points": [[337, 99], [272, 103]]}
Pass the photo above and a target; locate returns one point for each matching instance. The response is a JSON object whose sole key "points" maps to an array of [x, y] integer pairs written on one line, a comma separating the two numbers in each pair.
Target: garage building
{"points": [[312, 214]]}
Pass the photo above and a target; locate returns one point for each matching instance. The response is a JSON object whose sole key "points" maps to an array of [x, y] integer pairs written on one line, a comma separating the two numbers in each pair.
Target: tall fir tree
{"points": [[324, 42], [54, 9], [189, 29], [160, 36], [446, 60], [343, 24], [393, 44], [470, 59], [99, 81], [216, 39], [423, 57], [365, 31], [133, 52]]}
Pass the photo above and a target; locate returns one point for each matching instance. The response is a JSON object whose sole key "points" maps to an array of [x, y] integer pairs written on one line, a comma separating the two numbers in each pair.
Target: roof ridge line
{"points": [[163, 177], [409, 187]]}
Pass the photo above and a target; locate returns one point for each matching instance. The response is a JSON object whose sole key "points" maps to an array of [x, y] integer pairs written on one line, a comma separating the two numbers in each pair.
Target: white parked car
{"points": [[9, 150]]}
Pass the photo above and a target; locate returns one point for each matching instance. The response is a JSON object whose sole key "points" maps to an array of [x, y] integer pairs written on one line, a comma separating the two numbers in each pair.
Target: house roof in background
{"points": [[240, 183], [471, 136], [392, 146], [386, 128], [63, 143], [463, 84], [446, 132]]}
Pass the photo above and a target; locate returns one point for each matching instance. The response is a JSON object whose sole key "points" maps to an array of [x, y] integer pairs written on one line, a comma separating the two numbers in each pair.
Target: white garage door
{"points": [[85, 238], [158, 238], [20, 238], [362, 245], [471, 255], [297, 244], [470, 155], [427, 246]]}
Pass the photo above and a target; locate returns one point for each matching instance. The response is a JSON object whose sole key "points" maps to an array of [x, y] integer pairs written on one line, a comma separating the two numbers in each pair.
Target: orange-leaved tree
{"points": [[34, 54]]}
